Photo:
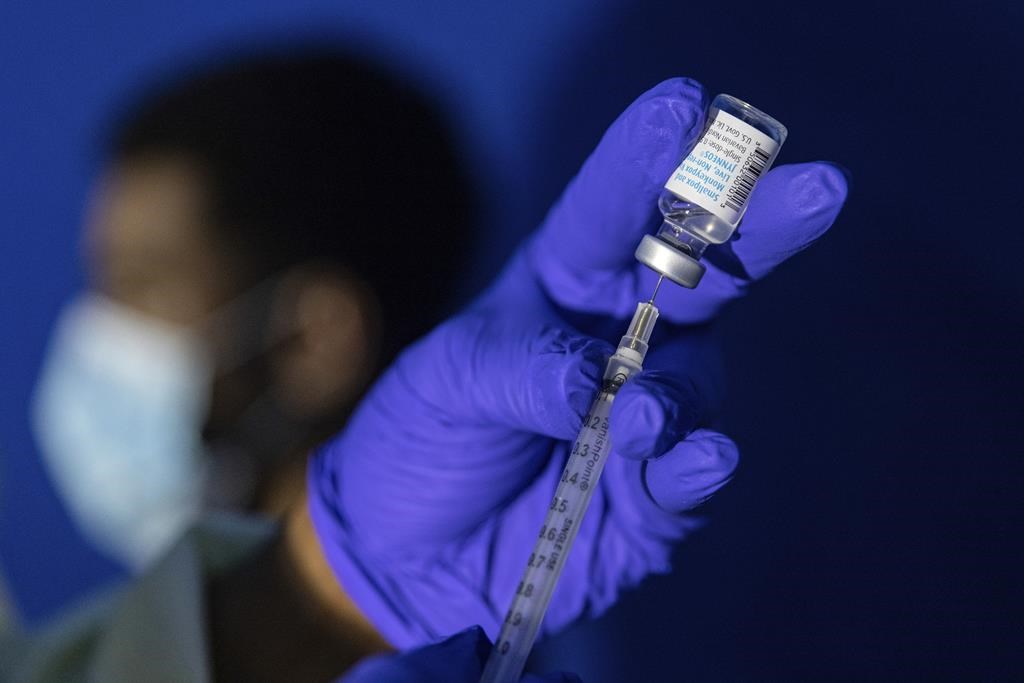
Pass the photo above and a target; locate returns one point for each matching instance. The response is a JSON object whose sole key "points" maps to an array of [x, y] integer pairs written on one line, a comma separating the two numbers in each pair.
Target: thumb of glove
{"points": [[484, 371]]}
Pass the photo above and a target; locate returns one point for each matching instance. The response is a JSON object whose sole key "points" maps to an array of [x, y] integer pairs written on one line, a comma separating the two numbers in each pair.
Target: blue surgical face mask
{"points": [[118, 412]]}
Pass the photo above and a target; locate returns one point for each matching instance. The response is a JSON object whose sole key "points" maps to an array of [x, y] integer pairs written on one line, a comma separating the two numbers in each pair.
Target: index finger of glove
{"points": [[608, 206]]}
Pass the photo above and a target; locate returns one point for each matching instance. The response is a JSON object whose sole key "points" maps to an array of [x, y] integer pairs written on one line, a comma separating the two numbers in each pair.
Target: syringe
{"points": [[697, 214], [572, 496]]}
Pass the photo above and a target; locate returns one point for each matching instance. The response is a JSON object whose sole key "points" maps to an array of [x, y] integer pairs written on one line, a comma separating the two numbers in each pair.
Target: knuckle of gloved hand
{"points": [[467, 334], [454, 355], [551, 342], [570, 363], [654, 130]]}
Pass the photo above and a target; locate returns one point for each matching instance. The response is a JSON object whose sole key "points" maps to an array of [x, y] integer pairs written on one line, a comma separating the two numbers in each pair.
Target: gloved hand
{"points": [[458, 659], [428, 504]]}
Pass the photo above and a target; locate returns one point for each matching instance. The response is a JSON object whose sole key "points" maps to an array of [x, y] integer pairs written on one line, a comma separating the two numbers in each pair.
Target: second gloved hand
{"points": [[458, 659]]}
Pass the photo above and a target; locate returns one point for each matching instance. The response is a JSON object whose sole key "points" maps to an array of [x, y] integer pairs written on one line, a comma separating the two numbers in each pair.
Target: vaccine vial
{"points": [[707, 195]]}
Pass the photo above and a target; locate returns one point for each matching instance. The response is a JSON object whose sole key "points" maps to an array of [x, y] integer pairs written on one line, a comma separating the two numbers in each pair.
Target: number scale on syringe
{"points": [[572, 496], [691, 224], [579, 479]]}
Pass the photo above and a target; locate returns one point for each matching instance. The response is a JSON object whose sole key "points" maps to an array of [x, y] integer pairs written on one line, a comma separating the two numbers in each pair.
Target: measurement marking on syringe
{"points": [[577, 484], [595, 454]]}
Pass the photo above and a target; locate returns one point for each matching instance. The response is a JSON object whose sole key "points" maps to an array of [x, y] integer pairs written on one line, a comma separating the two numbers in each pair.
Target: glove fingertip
{"points": [[670, 112], [792, 207], [806, 198], [823, 186], [693, 471]]}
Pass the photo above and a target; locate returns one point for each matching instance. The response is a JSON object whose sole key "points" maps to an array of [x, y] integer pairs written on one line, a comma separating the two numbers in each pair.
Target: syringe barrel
{"points": [[583, 468]]}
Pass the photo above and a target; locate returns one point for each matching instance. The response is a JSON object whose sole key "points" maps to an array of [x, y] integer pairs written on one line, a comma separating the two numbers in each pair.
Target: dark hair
{"points": [[313, 157]]}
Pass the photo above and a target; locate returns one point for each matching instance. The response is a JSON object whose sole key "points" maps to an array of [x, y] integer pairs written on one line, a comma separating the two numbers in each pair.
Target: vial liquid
{"points": [[707, 195]]}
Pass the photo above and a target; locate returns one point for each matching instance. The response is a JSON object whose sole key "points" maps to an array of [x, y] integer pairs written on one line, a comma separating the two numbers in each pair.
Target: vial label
{"points": [[720, 172]]}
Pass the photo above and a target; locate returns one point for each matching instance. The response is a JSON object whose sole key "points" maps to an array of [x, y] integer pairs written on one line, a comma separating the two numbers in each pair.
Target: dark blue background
{"points": [[873, 530]]}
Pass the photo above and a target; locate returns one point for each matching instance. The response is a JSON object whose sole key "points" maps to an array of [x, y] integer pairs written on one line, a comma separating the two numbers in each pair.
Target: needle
{"points": [[655, 293]]}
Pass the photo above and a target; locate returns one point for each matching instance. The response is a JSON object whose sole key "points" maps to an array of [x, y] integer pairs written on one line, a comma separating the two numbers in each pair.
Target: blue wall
{"points": [[873, 530], [66, 66]]}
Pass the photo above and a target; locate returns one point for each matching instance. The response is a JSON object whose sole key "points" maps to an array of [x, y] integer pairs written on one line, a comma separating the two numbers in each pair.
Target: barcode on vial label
{"points": [[721, 170], [739, 193]]}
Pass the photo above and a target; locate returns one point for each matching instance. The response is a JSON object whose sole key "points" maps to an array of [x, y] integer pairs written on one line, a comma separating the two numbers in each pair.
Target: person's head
{"points": [[301, 213]]}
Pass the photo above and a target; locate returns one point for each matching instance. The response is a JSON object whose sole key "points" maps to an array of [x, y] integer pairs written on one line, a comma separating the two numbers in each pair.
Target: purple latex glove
{"points": [[459, 659], [582, 257], [428, 504]]}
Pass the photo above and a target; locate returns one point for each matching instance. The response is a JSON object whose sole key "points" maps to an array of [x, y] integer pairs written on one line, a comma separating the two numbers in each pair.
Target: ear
{"points": [[331, 321]]}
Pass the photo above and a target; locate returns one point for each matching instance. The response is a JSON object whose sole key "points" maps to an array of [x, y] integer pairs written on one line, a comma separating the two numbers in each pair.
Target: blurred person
{"points": [[252, 239]]}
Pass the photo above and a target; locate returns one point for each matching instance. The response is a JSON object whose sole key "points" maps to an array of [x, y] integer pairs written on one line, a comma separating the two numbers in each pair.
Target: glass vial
{"points": [[707, 195]]}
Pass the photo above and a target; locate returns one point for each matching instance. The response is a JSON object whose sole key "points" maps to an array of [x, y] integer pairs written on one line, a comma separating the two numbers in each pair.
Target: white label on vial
{"points": [[720, 172]]}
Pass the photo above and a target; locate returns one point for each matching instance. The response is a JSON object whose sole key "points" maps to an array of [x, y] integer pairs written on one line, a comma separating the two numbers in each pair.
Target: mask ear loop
{"points": [[246, 320], [265, 435]]}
